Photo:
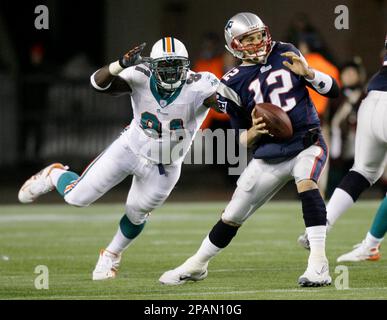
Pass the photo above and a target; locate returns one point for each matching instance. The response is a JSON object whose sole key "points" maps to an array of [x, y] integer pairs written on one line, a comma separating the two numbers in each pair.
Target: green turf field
{"points": [[263, 262]]}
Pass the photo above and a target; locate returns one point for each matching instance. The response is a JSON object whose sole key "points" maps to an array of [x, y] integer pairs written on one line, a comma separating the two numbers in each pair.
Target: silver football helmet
{"points": [[169, 63], [244, 24]]}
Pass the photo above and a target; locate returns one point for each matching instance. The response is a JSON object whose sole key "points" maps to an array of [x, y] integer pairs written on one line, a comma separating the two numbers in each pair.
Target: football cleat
{"points": [[190, 270], [303, 241], [361, 252], [107, 265], [316, 275], [38, 184]]}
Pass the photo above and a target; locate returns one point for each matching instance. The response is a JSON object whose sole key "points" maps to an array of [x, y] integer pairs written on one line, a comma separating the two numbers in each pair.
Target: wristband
{"points": [[115, 68], [321, 82]]}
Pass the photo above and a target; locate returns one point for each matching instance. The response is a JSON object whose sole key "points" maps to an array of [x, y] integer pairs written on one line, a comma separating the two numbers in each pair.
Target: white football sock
{"points": [[371, 241], [317, 236], [55, 175], [206, 251], [119, 243], [340, 202]]}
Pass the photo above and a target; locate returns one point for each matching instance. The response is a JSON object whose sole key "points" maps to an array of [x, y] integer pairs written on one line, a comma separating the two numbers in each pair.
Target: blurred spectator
{"points": [[37, 53], [213, 59], [33, 104], [78, 67], [8, 60], [309, 41], [342, 116], [210, 58], [310, 46], [301, 26]]}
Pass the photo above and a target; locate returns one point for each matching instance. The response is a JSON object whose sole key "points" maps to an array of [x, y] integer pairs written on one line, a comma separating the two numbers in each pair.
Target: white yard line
{"points": [[242, 292], [234, 294]]}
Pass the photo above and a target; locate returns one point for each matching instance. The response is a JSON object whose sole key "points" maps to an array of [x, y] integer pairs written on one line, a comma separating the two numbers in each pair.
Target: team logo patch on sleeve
{"points": [[214, 82], [222, 106]]}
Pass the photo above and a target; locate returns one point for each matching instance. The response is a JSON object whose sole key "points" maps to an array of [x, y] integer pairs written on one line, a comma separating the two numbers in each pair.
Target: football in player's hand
{"points": [[277, 120]]}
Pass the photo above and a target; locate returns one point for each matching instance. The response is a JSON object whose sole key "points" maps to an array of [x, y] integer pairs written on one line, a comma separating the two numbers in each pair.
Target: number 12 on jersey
{"points": [[279, 76]]}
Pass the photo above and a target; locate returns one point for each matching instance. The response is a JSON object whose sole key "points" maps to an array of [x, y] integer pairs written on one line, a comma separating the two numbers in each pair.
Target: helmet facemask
{"points": [[255, 52], [170, 72]]}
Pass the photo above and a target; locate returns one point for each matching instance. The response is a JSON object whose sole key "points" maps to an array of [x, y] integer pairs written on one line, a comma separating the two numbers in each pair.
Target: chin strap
{"points": [[231, 51]]}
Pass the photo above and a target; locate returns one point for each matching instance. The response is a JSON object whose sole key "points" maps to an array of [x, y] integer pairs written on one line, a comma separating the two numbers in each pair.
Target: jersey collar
{"points": [[163, 102]]}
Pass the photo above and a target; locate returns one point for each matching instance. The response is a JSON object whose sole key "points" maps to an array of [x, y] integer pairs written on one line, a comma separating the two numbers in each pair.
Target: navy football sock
{"points": [[222, 234], [354, 184], [313, 208]]}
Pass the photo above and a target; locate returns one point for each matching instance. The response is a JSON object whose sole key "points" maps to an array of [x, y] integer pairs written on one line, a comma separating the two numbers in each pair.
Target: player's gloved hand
{"points": [[132, 57]]}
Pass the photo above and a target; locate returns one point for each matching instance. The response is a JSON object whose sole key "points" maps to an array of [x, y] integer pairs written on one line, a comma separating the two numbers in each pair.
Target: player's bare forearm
{"points": [[103, 77], [249, 137], [105, 82], [107, 79], [212, 102]]}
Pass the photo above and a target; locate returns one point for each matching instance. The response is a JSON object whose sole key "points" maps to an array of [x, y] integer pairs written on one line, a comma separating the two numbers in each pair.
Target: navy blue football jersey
{"points": [[379, 80], [245, 86]]}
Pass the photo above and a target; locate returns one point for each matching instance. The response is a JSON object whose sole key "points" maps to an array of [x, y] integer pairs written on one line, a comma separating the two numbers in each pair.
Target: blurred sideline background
{"points": [[48, 112]]}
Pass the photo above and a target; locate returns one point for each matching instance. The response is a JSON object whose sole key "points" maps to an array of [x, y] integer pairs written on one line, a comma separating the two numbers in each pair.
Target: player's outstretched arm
{"points": [[107, 79], [317, 80]]}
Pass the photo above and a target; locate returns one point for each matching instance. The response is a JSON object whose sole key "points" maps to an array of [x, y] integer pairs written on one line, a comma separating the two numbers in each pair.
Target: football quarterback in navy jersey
{"points": [[277, 73], [368, 167]]}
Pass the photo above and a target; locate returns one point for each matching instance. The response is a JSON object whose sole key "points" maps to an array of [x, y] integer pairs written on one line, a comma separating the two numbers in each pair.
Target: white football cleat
{"points": [[38, 184], [303, 241], [190, 270], [361, 252], [107, 265], [316, 275]]}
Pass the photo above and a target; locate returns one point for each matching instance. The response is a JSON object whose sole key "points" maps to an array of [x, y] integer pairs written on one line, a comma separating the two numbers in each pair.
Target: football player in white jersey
{"points": [[169, 104], [368, 167]]}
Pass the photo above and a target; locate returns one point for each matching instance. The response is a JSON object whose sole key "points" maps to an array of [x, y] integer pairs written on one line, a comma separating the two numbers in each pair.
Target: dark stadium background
{"points": [[49, 113]]}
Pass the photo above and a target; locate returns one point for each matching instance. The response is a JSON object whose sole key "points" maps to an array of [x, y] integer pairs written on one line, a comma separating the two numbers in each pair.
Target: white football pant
{"points": [[371, 136], [149, 188], [261, 180]]}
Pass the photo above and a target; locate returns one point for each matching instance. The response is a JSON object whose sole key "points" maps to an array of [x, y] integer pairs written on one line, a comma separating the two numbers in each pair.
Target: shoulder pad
{"points": [[204, 82], [286, 46], [136, 75]]}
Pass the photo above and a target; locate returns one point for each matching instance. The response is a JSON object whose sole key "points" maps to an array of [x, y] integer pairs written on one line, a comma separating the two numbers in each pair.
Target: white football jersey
{"points": [[162, 130]]}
